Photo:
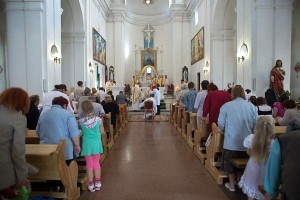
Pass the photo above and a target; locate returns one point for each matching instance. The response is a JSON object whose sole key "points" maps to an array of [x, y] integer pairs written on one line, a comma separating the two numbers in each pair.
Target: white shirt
{"points": [[156, 93], [48, 97], [149, 99], [102, 95], [199, 102]]}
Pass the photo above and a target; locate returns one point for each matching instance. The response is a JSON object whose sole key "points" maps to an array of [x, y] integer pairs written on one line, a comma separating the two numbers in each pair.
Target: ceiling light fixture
{"points": [[147, 1]]}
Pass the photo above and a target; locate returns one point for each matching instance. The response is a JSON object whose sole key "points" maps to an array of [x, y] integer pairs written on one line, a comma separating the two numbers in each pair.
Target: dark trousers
{"points": [[158, 109]]}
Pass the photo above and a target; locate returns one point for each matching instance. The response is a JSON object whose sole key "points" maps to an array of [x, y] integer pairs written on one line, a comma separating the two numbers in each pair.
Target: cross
{"points": [[148, 31]]}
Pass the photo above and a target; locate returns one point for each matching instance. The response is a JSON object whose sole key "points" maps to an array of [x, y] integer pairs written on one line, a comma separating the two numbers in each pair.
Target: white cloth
{"points": [[254, 174], [48, 97], [102, 95], [199, 102], [150, 99], [156, 93]]}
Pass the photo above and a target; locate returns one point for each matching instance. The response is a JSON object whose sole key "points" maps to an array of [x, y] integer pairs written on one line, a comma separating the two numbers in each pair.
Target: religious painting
{"points": [[149, 57], [99, 48], [197, 46]]}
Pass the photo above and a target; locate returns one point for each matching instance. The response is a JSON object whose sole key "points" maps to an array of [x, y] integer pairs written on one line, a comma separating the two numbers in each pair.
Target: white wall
{"points": [[295, 81], [94, 19], [271, 40]]}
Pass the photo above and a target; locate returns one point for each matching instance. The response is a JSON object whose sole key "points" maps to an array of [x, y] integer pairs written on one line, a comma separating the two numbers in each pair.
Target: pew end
{"points": [[201, 135], [50, 160]]}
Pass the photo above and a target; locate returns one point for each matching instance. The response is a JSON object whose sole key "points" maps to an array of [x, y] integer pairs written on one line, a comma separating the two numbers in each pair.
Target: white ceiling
{"points": [[139, 7]]}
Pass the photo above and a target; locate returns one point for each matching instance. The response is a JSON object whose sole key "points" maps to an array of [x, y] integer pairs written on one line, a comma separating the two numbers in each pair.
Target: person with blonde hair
{"points": [[91, 127], [258, 147]]}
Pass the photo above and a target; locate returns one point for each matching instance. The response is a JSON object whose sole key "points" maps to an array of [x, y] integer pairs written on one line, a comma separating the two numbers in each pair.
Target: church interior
{"points": [[144, 43]]}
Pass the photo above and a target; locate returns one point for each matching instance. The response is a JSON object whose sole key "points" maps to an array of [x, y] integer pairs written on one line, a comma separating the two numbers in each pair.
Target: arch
{"points": [[223, 45], [73, 42], [142, 72]]}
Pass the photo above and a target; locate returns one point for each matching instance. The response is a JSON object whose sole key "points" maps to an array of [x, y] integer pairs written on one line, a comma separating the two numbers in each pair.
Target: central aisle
{"points": [[150, 161]]}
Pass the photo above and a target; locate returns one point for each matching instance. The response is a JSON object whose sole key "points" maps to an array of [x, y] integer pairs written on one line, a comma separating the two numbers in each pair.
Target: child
{"points": [[257, 145], [91, 144]]}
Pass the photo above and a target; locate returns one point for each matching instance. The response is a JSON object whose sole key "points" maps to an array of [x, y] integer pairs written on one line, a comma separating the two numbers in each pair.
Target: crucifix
{"points": [[147, 36]]}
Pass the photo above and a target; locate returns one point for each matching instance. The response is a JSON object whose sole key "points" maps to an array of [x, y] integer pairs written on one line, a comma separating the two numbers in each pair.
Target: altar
{"points": [[116, 89]]}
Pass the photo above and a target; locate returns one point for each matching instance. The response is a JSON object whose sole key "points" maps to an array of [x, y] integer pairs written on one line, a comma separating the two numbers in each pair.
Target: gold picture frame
{"points": [[149, 57]]}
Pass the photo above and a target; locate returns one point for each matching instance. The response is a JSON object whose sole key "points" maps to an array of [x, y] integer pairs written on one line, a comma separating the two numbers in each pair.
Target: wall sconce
{"points": [[206, 67], [54, 54], [243, 52]]}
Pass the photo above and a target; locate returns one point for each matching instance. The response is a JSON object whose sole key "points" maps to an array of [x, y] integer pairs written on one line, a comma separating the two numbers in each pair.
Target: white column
{"points": [[73, 56], [119, 48], [25, 44]]}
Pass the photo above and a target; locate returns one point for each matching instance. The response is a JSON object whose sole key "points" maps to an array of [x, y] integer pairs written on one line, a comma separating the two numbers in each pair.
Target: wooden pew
{"points": [[108, 127], [175, 116], [179, 118], [239, 163], [172, 110], [214, 154], [262, 190], [280, 130], [31, 137], [201, 135], [184, 123], [50, 161], [191, 127]]}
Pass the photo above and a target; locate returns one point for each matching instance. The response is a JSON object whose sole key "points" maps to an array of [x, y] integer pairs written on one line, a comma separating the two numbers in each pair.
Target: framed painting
{"points": [[99, 48], [197, 46], [149, 57]]}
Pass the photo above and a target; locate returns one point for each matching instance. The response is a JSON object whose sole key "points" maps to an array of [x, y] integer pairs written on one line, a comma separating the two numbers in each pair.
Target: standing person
{"points": [[136, 97], [92, 128], [78, 92], [291, 112], [200, 98], [121, 98], [190, 97], [156, 93], [57, 124], [237, 120], [14, 104], [258, 147], [110, 106], [278, 106], [213, 102], [276, 77], [34, 113], [262, 107], [166, 84]]}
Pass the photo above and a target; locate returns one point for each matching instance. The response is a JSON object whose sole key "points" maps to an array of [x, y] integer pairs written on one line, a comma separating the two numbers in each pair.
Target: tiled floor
{"points": [[152, 162]]}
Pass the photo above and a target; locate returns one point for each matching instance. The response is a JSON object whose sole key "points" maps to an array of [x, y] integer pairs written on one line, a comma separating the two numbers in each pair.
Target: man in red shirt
{"points": [[213, 102]]}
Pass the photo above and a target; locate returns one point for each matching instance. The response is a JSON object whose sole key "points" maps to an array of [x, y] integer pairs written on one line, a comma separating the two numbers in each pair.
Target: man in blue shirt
{"points": [[237, 119], [58, 124], [190, 97]]}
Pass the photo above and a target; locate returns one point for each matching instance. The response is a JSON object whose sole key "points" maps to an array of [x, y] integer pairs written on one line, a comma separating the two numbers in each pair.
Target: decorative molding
{"points": [[33, 5], [222, 34], [71, 37]]}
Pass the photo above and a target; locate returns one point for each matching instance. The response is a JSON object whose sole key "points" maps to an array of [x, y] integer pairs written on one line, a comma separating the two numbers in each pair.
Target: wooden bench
{"points": [[263, 191], [184, 123], [179, 118], [214, 154], [239, 163], [108, 127], [50, 160], [191, 127], [201, 135], [172, 110], [175, 115], [31, 137], [280, 130]]}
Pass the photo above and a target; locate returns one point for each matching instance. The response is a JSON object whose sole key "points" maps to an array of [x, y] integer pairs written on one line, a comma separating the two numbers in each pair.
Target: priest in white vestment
{"points": [[136, 97]]}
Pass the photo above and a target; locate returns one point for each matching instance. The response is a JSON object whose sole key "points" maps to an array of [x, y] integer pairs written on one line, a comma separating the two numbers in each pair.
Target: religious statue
{"points": [[277, 77]]}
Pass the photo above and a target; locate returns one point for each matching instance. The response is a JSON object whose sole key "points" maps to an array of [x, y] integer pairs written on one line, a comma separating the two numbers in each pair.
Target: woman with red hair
{"points": [[14, 104]]}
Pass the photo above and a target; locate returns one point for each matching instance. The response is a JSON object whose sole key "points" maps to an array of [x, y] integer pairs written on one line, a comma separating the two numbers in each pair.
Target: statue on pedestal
{"points": [[277, 77]]}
